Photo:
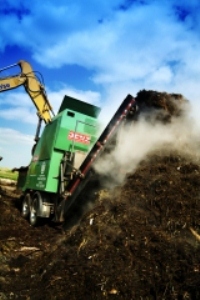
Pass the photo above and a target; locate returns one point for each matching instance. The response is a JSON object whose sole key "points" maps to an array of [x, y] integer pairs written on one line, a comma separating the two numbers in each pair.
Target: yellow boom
{"points": [[32, 86]]}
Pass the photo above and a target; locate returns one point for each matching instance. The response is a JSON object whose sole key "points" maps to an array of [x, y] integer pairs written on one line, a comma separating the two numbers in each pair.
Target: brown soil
{"points": [[141, 240]]}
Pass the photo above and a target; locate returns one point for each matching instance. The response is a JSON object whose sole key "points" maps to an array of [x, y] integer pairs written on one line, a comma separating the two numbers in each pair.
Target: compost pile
{"points": [[140, 240]]}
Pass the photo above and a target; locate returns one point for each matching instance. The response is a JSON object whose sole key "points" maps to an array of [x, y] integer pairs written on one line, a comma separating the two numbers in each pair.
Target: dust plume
{"points": [[154, 131]]}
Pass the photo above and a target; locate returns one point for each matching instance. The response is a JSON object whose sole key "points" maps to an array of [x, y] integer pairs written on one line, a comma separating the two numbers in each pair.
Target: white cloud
{"points": [[163, 75], [17, 106], [15, 148], [119, 45], [138, 46], [130, 44]]}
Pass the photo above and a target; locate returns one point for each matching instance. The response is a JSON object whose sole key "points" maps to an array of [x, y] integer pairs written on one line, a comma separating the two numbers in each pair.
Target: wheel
{"points": [[25, 210], [33, 217]]}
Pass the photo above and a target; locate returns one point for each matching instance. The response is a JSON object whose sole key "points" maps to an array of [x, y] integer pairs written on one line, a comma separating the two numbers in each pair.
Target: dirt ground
{"points": [[140, 240]]}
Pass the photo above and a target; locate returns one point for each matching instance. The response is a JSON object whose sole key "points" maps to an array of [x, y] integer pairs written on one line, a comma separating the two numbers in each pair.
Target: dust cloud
{"points": [[149, 134]]}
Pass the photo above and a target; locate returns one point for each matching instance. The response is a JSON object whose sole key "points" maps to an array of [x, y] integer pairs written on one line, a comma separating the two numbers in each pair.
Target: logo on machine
{"points": [[79, 137], [4, 86]]}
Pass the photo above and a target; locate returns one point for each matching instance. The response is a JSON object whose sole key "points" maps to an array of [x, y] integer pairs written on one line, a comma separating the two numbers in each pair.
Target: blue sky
{"points": [[97, 51]]}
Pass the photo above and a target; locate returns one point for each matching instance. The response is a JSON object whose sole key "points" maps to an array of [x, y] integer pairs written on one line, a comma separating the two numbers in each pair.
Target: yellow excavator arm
{"points": [[32, 86]]}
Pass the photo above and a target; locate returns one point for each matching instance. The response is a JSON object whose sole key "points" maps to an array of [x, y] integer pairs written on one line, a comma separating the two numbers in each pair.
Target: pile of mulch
{"points": [[140, 241], [160, 106]]}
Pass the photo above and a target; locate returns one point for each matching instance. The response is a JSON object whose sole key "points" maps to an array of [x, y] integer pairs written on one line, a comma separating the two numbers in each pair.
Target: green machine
{"points": [[63, 158], [57, 156]]}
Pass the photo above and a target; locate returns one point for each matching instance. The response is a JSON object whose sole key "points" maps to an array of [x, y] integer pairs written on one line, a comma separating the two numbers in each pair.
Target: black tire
{"points": [[33, 217], [25, 206]]}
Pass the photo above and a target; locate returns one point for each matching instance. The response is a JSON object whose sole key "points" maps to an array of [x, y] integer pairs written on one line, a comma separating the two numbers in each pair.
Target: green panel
{"points": [[79, 106], [76, 124], [61, 142], [37, 175], [45, 145], [53, 175], [22, 177], [43, 175], [90, 126]]}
